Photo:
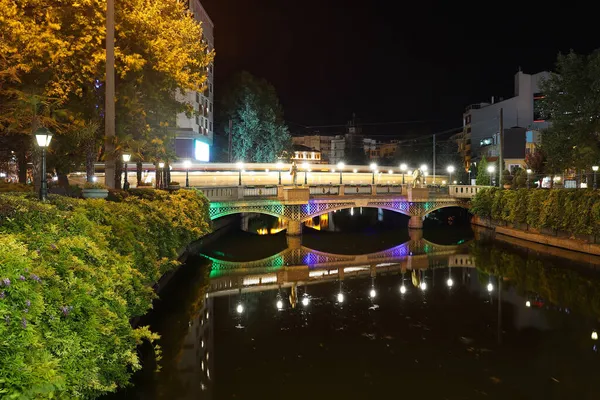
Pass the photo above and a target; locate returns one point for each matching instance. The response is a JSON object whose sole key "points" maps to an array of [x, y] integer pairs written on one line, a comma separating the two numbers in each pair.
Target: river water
{"points": [[365, 310]]}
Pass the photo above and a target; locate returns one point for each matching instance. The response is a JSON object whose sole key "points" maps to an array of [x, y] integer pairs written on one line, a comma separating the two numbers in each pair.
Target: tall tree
{"points": [[259, 131], [572, 102]]}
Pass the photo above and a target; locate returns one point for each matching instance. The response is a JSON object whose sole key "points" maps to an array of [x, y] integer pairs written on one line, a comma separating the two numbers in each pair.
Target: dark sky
{"points": [[391, 60]]}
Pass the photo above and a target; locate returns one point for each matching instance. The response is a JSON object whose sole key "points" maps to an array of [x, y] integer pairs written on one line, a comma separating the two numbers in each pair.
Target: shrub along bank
{"points": [[72, 274], [575, 211]]}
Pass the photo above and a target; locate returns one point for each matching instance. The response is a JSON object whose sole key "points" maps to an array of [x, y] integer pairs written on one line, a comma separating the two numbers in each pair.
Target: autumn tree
{"points": [[259, 132], [572, 102]]}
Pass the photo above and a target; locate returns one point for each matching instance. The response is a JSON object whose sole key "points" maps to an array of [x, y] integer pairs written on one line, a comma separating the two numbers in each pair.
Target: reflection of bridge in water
{"points": [[300, 265]]}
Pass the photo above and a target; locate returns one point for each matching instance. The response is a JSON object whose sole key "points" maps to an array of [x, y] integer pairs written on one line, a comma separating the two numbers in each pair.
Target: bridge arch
{"points": [[349, 206], [252, 211]]}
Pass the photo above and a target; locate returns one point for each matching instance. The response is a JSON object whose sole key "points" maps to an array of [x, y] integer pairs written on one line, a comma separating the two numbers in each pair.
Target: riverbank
{"points": [[73, 274], [563, 242]]}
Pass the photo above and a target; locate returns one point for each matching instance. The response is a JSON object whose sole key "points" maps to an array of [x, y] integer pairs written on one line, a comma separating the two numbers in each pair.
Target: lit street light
{"points": [[403, 168], [402, 289], [187, 164], [450, 282], [240, 308], [341, 166], [240, 167], [373, 168], [490, 287], [490, 170], [450, 170], [279, 167], [529, 171], [126, 159], [595, 169], [306, 167], [43, 138], [161, 167], [340, 297]]}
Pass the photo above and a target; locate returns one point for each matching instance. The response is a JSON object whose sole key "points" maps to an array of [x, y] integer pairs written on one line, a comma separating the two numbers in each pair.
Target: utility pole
{"points": [[434, 159], [109, 97], [229, 145], [501, 145]]}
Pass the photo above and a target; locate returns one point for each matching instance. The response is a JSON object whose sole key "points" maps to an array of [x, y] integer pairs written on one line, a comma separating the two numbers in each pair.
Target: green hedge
{"points": [[72, 275], [575, 211]]}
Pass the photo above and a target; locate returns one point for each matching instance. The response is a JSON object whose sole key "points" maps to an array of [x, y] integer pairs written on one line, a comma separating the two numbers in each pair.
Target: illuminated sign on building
{"points": [[201, 151]]}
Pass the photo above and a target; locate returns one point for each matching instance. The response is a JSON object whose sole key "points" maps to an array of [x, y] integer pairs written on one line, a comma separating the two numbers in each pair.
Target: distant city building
{"points": [[306, 154], [194, 137], [338, 150], [317, 143], [481, 121]]}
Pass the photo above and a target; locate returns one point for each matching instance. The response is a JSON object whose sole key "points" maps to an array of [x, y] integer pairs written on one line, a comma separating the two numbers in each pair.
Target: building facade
{"points": [[481, 121], [194, 137], [316, 142]]}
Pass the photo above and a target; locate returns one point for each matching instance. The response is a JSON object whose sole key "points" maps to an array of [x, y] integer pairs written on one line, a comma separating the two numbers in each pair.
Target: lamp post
{"points": [[491, 170], [373, 168], [279, 167], [450, 170], [341, 166], [595, 169], [126, 159], [306, 167], [423, 169], [187, 164], [403, 168], [240, 167], [43, 138], [529, 171], [161, 166]]}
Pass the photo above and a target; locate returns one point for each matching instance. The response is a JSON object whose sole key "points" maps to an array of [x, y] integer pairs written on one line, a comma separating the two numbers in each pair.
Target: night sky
{"points": [[389, 61]]}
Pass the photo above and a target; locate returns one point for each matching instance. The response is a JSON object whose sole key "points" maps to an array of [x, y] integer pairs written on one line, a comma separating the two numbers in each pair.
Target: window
{"points": [[210, 87], [210, 107], [468, 119], [197, 97], [197, 120], [210, 126]]}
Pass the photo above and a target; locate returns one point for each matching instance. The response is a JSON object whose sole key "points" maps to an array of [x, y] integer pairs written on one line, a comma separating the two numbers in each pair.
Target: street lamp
{"points": [[187, 164], [161, 166], [341, 166], [595, 169], [529, 171], [403, 168], [450, 170], [126, 159], [490, 170], [240, 166], [279, 167], [43, 138], [306, 167], [373, 168]]}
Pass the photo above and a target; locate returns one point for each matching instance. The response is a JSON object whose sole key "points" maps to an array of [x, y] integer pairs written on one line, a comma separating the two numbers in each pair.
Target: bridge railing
{"points": [[464, 191], [260, 191], [324, 190]]}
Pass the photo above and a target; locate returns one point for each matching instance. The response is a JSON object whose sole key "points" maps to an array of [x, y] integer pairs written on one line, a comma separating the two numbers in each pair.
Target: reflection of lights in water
{"points": [[423, 286], [208, 373], [527, 303], [402, 289], [490, 287], [279, 304], [352, 211], [202, 365], [594, 335], [340, 297], [450, 282], [305, 301], [372, 293], [202, 343], [240, 308]]}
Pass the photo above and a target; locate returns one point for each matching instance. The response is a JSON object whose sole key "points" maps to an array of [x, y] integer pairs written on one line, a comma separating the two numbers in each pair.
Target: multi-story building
{"points": [[338, 150], [194, 136], [481, 122], [317, 142], [306, 154]]}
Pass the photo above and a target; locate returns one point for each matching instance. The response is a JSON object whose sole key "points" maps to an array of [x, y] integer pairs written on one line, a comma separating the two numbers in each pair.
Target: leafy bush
{"points": [[574, 211], [73, 273], [6, 187], [94, 185]]}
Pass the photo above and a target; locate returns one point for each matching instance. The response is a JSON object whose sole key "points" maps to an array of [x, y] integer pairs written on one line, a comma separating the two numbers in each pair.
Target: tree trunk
{"points": [[138, 172], [22, 164], [118, 173], [167, 174], [90, 159], [157, 176]]}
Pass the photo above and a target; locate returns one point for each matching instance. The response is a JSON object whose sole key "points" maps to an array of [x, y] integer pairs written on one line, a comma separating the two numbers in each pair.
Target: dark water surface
{"points": [[324, 318]]}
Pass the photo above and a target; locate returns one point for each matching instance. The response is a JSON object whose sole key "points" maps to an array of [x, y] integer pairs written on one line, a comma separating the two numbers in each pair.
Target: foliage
{"points": [[520, 177], [52, 64], [507, 178], [6, 187], [94, 185], [259, 132], [575, 211], [572, 102], [73, 273], [536, 160], [483, 177]]}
